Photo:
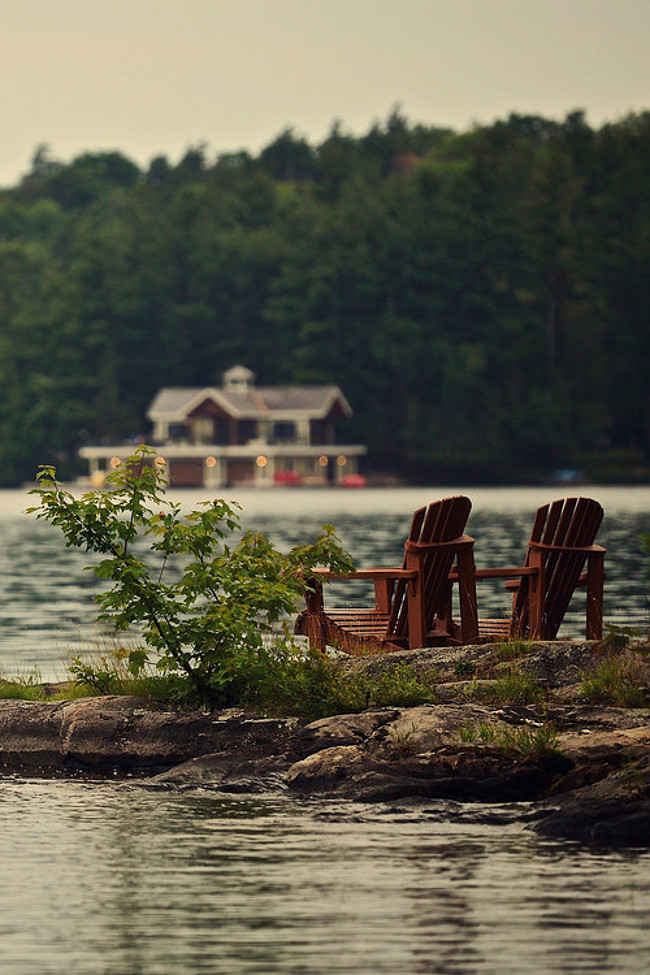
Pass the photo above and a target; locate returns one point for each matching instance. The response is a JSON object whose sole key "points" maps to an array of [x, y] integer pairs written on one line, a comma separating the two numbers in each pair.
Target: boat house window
{"points": [[284, 432], [203, 429]]}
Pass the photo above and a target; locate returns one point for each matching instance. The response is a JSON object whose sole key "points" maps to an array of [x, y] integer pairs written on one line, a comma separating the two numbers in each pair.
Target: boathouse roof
{"points": [[240, 398]]}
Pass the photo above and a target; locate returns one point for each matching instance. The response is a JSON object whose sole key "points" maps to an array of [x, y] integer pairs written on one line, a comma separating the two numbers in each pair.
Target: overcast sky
{"points": [[151, 77]]}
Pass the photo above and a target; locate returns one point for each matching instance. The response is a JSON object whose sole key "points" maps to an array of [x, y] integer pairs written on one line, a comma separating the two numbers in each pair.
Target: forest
{"points": [[481, 297]]}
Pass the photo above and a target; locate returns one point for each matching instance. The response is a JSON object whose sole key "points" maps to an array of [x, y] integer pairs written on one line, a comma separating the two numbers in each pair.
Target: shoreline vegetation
{"points": [[613, 672]]}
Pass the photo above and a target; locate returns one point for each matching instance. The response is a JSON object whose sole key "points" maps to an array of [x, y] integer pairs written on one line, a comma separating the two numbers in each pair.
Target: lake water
{"points": [[114, 878], [47, 610], [102, 879]]}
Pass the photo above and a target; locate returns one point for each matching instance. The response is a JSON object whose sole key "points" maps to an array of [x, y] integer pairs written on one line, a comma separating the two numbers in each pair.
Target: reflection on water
{"points": [[47, 612], [98, 878]]}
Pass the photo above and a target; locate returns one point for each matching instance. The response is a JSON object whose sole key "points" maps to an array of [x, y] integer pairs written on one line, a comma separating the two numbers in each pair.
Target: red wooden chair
{"points": [[561, 544], [413, 604]]}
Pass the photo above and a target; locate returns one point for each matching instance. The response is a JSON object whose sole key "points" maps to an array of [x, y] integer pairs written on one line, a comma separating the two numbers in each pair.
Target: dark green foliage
{"points": [[482, 298], [209, 602]]}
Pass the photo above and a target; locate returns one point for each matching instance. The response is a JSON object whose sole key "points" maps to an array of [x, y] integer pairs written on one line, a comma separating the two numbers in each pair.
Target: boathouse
{"points": [[242, 434]]}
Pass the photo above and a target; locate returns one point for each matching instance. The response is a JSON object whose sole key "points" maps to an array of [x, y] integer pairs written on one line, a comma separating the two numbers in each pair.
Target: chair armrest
{"points": [[386, 573], [578, 549], [452, 545], [506, 573], [384, 580]]}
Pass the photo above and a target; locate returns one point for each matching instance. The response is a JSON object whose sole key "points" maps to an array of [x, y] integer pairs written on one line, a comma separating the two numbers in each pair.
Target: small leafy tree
{"points": [[209, 600]]}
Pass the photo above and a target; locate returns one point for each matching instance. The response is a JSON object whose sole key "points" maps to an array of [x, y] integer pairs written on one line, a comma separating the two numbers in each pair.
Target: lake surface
{"points": [[47, 610], [105, 879], [113, 878]]}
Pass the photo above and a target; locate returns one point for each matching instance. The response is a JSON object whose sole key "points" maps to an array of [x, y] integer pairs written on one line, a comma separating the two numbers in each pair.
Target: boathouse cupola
{"points": [[239, 379]]}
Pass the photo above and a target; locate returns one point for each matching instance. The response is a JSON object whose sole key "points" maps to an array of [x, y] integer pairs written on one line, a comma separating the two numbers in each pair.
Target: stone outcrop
{"points": [[588, 778], [103, 735]]}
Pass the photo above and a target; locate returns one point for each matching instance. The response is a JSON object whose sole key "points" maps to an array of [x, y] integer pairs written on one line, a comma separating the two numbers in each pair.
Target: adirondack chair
{"points": [[413, 604], [561, 542]]}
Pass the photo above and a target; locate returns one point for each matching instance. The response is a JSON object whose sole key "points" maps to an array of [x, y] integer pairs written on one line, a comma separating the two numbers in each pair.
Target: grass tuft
{"points": [[316, 687], [513, 649], [620, 681], [531, 741], [512, 687]]}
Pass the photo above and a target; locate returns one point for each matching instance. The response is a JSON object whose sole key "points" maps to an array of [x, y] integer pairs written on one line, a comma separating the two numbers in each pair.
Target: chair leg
{"points": [[467, 596], [595, 585], [416, 623], [535, 599]]}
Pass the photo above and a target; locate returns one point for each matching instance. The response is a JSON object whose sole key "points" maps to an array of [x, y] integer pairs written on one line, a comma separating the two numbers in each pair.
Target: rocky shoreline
{"points": [[586, 779]]}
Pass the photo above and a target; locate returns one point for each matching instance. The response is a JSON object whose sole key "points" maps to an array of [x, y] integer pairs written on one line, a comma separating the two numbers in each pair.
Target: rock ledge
{"points": [[592, 785]]}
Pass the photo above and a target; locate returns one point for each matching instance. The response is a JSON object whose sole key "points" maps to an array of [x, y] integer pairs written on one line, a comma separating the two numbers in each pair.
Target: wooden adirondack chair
{"points": [[561, 542], [413, 604]]}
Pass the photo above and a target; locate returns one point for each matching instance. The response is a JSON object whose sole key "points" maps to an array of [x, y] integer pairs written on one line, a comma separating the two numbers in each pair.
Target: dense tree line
{"points": [[482, 298]]}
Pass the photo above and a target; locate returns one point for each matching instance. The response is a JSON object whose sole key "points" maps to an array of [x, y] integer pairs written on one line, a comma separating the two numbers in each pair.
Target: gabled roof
{"points": [[174, 404]]}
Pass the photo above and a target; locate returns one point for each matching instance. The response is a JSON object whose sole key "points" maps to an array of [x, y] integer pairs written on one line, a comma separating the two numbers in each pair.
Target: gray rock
{"points": [[594, 785], [107, 734]]}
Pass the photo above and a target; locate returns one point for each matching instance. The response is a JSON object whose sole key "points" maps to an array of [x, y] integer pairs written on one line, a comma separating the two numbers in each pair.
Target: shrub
{"points": [[209, 601]]}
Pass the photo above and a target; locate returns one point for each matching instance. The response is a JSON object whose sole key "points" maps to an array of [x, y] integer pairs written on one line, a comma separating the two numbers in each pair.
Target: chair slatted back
{"points": [[441, 521], [567, 523]]}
